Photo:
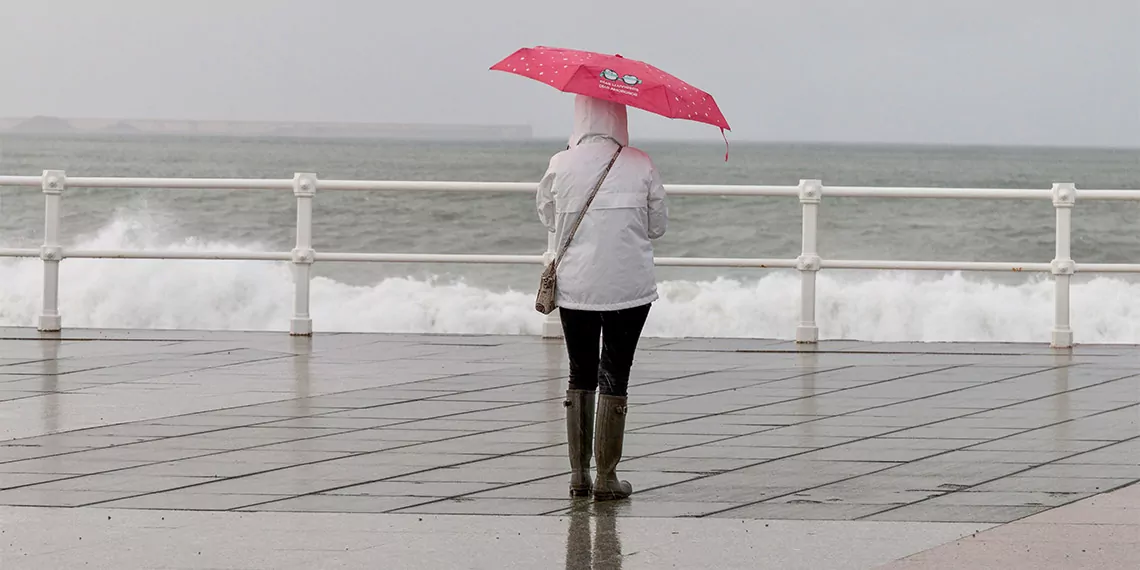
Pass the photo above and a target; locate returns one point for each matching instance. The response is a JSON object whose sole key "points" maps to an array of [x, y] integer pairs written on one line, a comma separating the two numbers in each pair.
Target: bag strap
{"points": [[589, 200]]}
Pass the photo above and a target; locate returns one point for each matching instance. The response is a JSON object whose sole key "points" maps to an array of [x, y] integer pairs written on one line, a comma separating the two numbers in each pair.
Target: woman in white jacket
{"points": [[606, 281]]}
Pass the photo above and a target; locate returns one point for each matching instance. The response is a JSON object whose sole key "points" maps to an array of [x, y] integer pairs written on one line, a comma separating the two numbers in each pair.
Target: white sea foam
{"points": [[257, 296]]}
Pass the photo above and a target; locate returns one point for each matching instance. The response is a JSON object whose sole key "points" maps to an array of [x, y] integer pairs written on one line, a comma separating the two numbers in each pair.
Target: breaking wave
{"points": [[895, 306]]}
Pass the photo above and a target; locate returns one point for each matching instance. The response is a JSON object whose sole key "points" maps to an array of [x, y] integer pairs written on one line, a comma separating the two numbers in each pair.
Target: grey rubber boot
{"points": [[580, 437], [609, 436]]}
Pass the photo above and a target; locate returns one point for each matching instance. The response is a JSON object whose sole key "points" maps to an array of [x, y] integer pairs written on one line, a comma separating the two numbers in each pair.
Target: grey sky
{"points": [[943, 71]]}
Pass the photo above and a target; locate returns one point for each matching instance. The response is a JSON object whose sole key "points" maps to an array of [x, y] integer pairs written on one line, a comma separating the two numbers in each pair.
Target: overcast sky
{"points": [[1049, 72]]}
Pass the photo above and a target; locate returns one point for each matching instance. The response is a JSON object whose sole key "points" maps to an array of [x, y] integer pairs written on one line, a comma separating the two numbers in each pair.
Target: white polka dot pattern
{"points": [[637, 84]]}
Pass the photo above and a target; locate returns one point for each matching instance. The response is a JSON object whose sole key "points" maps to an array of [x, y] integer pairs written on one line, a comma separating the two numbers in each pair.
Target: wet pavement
{"points": [[1097, 533], [843, 455]]}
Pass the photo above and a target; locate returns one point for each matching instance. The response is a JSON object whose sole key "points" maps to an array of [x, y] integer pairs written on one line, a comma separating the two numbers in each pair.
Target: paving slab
{"points": [[872, 452], [1099, 532]]}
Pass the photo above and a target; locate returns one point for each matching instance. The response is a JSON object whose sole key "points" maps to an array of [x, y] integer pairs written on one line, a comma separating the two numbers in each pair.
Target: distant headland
{"points": [[63, 126]]}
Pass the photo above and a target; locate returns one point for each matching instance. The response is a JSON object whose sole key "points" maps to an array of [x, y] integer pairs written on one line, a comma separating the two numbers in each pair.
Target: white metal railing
{"points": [[809, 192]]}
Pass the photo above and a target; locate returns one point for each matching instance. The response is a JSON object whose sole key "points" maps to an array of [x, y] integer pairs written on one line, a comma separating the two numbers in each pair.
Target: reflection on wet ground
{"points": [[420, 425]]}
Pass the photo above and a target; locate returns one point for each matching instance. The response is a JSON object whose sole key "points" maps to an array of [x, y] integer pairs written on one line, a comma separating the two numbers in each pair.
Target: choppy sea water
{"points": [[498, 299]]}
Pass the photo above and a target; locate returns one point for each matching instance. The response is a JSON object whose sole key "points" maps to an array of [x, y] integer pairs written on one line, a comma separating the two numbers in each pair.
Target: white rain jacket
{"points": [[609, 264]]}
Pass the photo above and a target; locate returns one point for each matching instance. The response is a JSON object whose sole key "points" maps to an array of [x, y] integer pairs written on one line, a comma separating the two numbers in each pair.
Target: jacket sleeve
{"points": [[545, 200], [658, 209]]}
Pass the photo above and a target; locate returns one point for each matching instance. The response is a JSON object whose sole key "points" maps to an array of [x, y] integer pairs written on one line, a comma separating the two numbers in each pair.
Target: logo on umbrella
{"points": [[612, 75]]}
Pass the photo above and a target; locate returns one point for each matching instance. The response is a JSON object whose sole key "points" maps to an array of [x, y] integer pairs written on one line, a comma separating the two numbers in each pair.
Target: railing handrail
{"points": [[809, 192], [126, 183]]}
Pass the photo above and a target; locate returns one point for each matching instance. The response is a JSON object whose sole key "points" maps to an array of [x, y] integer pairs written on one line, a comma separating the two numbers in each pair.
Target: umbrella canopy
{"points": [[615, 78]]}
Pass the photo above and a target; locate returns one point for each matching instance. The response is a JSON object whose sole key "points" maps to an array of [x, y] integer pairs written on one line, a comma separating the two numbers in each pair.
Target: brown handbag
{"points": [[548, 285]]}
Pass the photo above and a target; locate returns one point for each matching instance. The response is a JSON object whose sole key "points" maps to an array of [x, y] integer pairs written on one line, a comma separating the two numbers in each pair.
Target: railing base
{"points": [[807, 335], [50, 323], [1062, 339], [301, 327], [552, 328]]}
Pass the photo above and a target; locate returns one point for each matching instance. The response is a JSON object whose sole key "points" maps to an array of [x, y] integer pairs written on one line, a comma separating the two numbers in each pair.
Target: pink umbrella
{"points": [[618, 79]]}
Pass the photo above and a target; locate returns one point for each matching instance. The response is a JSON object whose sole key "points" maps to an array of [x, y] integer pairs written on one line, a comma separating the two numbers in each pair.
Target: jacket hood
{"points": [[593, 116]]}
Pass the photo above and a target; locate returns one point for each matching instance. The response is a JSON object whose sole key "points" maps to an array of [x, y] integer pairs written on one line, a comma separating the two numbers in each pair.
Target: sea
{"points": [[495, 299]]}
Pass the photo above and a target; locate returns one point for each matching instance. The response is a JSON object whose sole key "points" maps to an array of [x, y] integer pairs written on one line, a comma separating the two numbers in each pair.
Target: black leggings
{"points": [[619, 331]]}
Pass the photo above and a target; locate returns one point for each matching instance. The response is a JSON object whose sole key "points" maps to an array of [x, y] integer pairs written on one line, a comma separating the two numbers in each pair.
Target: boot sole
{"points": [[604, 497], [580, 492]]}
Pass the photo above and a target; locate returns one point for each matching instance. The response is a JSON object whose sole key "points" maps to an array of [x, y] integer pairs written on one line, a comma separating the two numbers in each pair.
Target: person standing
{"points": [[606, 280]]}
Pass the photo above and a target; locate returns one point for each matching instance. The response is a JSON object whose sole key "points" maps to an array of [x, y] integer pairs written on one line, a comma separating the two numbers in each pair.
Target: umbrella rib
{"points": [[580, 68], [668, 99]]}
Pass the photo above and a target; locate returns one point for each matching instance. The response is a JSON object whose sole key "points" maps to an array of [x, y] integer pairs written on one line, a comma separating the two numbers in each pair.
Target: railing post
{"points": [[54, 182], [808, 263], [1063, 267], [552, 324], [304, 188]]}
